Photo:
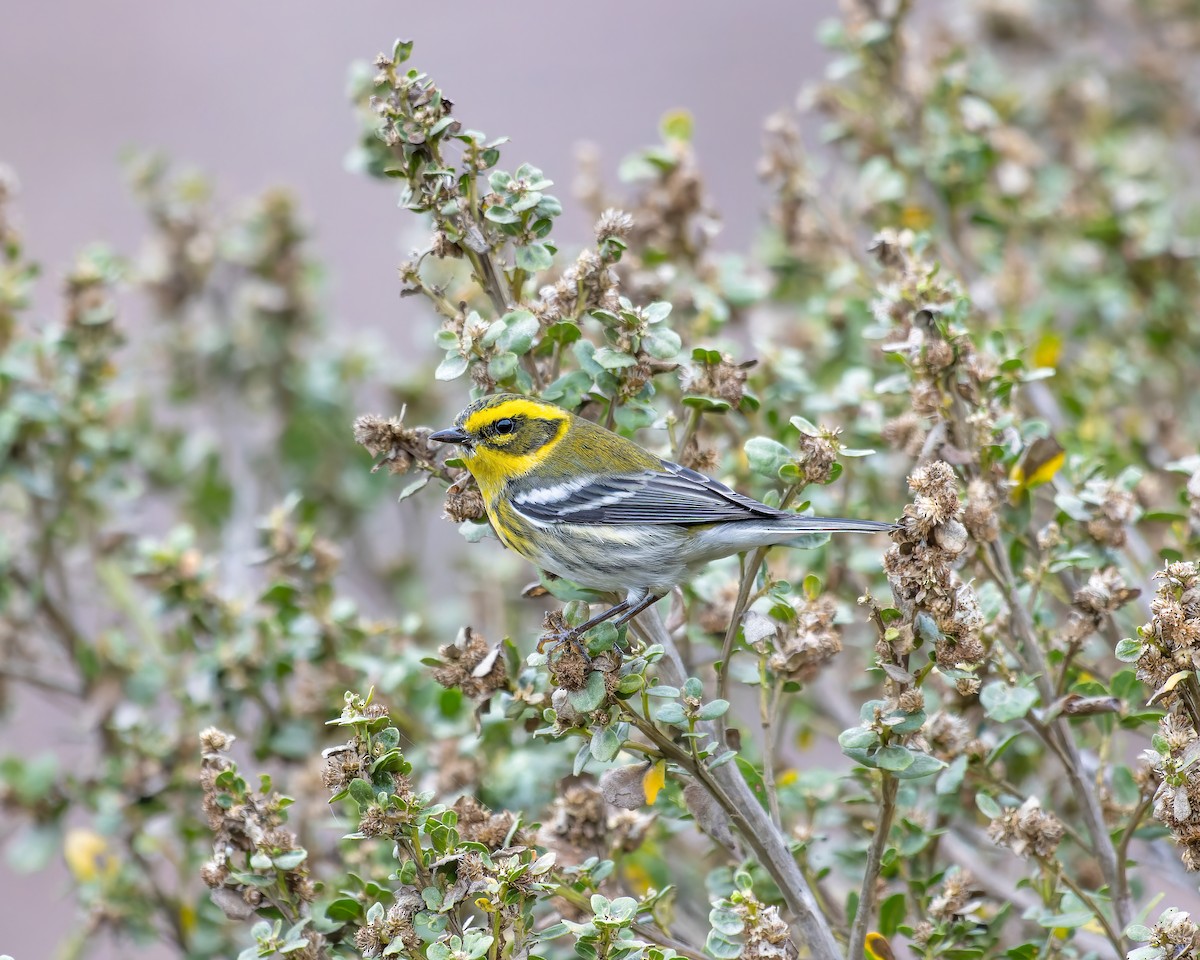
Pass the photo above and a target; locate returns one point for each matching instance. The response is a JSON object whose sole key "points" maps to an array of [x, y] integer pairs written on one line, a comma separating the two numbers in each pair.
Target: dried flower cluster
{"points": [[249, 836], [920, 565], [590, 283], [398, 447], [954, 898], [949, 736], [1175, 768], [472, 665], [1176, 935], [1103, 595], [918, 306], [1171, 640], [722, 379], [395, 925], [478, 824], [464, 501], [1113, 508], [798, 648], [765, 933], [1027, 829]]}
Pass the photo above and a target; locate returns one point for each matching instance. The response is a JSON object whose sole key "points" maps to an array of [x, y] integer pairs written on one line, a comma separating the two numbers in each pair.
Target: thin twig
{"points": [[768, 707], [689, 431], [1058, 734], [866, 898], [1088, 900], [751, 563], [729, 788]]}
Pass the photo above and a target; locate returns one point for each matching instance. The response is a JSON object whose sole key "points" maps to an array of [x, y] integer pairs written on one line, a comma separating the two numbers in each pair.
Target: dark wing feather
{"points": [[673, 495]]}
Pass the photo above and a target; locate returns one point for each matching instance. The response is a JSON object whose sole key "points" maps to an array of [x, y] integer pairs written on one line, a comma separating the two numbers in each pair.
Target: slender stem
{"points": [[750, 567], [1127, 837], [768, 704], [729, 788], [68, 635], [866, 898], [1057, 733], [26, 674], [689, 431], [1088, 899]]}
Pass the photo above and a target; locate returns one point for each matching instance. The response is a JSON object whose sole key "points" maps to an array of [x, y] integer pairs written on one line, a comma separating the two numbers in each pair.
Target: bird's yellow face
{"points": [[506, 436]]}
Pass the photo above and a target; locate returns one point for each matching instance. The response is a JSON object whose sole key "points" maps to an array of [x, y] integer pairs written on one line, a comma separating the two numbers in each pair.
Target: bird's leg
{"points": [[649, 600], [624, 611], [572, 636]]}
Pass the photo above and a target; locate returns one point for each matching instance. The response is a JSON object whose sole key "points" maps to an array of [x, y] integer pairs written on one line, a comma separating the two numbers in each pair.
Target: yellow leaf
{"points": [[787, 778], [1172, 682], [187, 918], [1048, 350], [915, 217], [654, 780], [87, 855], [1041, 461], [638, 877], [877, 948]]}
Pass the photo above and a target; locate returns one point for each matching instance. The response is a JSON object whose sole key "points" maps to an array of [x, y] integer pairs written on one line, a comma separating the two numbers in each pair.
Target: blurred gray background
{"points": [[253, 94]]}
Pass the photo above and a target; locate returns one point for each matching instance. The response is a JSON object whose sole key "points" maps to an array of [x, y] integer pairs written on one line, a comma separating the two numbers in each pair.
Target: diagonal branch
{"points": [[748, 816]]}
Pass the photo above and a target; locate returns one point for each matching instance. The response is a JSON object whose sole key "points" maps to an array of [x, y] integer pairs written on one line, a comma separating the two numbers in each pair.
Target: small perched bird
{"points": [[586, 504]]}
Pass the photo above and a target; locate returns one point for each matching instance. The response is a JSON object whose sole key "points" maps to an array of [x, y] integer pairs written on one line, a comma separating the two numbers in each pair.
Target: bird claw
{"points": [[558, 639]]}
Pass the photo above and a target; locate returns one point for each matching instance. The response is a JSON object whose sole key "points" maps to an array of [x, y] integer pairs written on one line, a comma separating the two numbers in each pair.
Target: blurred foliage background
{"points": [[307, 736]]}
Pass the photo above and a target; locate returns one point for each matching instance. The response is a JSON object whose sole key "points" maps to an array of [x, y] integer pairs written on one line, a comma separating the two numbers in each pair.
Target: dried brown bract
{"points": [[397, 447], [472, 665], [1027, 830], [920, 565]]}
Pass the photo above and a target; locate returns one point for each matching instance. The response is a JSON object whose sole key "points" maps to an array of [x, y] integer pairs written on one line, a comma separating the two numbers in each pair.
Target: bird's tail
{"points": [[838, 525]]}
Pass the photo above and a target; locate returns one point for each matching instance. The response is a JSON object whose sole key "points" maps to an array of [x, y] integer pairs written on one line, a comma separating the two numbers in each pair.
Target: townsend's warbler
{"points": [[581, 502]]}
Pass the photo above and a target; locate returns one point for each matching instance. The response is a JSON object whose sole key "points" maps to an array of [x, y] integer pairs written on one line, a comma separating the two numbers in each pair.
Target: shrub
{"points": [[990, 295]]}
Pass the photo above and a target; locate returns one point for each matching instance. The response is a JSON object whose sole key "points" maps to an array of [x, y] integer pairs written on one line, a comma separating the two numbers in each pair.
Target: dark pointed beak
{"points": [[453, 435]]}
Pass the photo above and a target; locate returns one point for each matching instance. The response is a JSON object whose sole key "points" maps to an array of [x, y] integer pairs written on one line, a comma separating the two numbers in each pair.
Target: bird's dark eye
{"points": [[505, 426]]}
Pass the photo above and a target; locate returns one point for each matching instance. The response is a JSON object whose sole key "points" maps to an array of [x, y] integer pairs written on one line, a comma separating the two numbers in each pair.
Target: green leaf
{"points": [[707, 404], [520, 327], [806, 427], [1130, 649], [1003, 702], [290, 860], [952, 777], [894, 759], [713, 709], [502, 366], [343, 910], [413, 487], [605, 744], [611, 359], [891, 914], [988, 806], [766, 456], [534, 257], [590, 695], [499, 213], [671, 712], [662, 343], [362, 792], [401, 51], [923, 765], [452, 367], [676, 125]]}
